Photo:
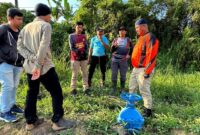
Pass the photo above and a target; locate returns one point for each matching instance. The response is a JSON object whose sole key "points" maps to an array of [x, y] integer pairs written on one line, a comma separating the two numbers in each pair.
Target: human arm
{"points": [[151, 54], [104, 41]]}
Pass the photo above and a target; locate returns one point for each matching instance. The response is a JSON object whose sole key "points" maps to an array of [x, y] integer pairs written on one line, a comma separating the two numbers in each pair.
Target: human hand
{"points": [[127, 56], [100, 37], [146, 76], [35, 74], [114, 44]]}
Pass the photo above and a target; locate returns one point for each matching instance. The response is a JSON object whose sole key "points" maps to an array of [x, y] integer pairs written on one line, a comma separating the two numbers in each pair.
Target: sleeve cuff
{"points": [[146, 75], [37, 65]]}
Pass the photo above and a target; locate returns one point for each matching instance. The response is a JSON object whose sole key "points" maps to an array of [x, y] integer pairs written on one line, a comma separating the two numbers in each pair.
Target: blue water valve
{"points": [[129, 116]]}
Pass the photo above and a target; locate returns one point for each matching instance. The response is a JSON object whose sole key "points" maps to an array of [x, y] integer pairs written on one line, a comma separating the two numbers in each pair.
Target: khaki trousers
{"points": [[137, 79], [76, 66]]}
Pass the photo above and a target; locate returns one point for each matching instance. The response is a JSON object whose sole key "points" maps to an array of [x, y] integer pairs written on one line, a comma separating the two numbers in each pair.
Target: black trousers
{"points": [[94, 61], [51, 83]]}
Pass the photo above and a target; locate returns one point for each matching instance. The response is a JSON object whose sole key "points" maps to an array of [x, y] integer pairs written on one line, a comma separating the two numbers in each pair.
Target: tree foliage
{"points": [[176, 23], [62, 8], [109, 14], [3, 9], [27, 17]]}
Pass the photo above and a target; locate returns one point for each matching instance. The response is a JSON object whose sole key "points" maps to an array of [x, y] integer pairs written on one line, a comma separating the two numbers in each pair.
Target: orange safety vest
{"points": [[145, 52]]}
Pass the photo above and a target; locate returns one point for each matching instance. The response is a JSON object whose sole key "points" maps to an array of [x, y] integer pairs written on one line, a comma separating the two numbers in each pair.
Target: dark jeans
{"points": [[101, 60], [122, 67], [51, 83]]}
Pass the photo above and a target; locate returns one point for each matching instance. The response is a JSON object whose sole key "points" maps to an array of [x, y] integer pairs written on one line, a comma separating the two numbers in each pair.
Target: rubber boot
{"points": [[122, 86], [114, 88]]}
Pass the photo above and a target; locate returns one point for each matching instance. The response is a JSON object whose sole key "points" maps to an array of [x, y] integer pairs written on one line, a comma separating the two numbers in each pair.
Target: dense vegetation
{"points": [[175, 86], [175, 22]]}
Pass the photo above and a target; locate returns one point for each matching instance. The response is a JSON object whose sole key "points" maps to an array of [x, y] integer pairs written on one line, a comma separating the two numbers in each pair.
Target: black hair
{"points": [[79, 23], [122, 28], [12, 12], [42, 10]]}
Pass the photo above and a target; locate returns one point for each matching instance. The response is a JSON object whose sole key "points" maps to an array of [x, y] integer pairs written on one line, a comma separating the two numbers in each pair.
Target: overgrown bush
{"points": [[188, 51], [60, 46]]}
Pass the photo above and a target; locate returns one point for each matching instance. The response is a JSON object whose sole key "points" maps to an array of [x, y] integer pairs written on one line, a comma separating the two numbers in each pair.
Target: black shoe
{"points": [[122, 85], [147, 112], [16, 109], [87, 92], [73, 92], [122, 90]]}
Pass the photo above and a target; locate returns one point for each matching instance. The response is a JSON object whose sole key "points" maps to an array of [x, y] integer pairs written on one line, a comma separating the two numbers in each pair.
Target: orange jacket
{"points": [[145, 52]]}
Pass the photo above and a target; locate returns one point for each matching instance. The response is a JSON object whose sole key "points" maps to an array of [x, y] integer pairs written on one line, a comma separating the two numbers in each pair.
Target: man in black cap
{"points": [[10, 65], [97, 55], [34, 45], [143, 60]]}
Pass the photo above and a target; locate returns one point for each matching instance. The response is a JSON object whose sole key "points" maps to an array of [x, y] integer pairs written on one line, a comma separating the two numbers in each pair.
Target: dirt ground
{"points": [[18, 128]]}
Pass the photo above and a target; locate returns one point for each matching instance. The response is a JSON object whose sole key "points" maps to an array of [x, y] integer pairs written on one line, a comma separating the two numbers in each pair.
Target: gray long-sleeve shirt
{"points": [[34, 45]]}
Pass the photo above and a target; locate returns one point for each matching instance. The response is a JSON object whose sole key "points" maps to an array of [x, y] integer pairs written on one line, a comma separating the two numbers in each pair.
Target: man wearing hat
{"points": [[34, 46], [143, 60], [10, 65], [121, 51], [97, 55]]}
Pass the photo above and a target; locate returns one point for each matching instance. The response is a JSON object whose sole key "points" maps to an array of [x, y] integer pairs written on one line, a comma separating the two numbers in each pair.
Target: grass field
{"points": [[176, 104]]}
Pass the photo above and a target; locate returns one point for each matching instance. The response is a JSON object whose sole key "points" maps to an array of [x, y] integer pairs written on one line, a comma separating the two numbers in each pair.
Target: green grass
{"points": [[176, 103]]}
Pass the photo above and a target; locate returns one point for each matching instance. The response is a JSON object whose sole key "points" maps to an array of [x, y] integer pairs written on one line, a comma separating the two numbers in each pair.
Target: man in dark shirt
{"points": [[10, 65], [78, 47]]}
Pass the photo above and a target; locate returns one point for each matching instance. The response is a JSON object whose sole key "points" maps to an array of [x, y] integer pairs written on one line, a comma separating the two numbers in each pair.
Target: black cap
{"points": [[99, 29], [122, 28], [141, 21], [42, 10]]}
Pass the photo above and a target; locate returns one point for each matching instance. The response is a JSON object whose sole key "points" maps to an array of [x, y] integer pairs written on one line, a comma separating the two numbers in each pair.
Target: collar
{"points": [[38, 19]]}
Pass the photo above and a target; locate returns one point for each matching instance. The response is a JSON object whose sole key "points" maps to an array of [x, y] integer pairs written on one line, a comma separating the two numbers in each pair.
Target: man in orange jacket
{"points": [[143, 60]]}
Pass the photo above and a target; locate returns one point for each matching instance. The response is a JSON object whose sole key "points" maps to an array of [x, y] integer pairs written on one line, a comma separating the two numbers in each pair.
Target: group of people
{"points": [[143, 59], [30, 48], [97, 54]]}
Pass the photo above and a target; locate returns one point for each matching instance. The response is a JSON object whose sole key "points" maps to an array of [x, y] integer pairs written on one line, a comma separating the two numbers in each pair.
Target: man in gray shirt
{"points": [[34, 46]]}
